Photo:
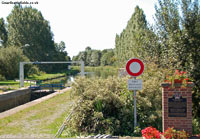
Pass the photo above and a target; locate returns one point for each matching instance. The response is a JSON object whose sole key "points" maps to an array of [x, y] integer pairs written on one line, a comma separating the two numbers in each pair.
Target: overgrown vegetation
{"points": [[105, 106]]}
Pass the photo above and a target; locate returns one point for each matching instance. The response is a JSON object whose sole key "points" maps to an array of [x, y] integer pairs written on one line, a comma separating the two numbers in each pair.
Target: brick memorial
{"points": [[177, 107]]}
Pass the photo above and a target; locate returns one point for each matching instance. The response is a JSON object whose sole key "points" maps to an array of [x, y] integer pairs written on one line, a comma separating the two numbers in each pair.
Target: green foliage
{"points": [[34, 70], [195, 126], [59, 55], [26, 25], [172, 133], [96, 57], [135, 40], [177, 25], [108, 57], [173, 42], [105, 106], [2, 78], [102, 107], [3, 32], [9, 59]]}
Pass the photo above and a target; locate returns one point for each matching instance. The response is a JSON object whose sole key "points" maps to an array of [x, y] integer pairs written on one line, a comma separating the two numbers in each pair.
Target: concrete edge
{"points": [[29, 104]]}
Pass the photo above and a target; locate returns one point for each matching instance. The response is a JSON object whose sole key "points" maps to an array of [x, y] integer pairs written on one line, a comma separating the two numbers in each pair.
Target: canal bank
{"points": [[21, 96]]}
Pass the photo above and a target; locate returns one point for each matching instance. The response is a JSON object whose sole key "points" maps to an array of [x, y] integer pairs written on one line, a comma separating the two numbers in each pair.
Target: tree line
{"points": [[27, 36], [93, 57]]}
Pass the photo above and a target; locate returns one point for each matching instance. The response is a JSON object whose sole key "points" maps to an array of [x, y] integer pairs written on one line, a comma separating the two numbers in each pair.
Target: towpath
{"points": [[37, 119]]}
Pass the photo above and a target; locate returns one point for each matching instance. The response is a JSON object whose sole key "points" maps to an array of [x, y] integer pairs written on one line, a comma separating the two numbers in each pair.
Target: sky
{"points": [[82, 23]]}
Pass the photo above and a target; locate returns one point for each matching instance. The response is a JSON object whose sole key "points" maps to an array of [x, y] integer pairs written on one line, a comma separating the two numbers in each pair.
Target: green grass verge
{"points": [[9, 82], [43, 118], [10, 85], [44, 76]]}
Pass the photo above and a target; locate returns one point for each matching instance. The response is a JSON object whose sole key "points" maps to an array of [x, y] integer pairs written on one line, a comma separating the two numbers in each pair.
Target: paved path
{"points": [[29, 104]]}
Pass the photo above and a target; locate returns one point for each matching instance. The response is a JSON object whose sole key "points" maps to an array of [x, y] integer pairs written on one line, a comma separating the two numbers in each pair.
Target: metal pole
{"points": [[82, 68], [135, 109], [21, 74], [19, 66]]}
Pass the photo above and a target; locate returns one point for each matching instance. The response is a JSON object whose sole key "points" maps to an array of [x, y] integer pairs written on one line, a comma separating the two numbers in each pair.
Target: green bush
{"points": [[102, 107], [9, 59], [172, 133], [34, 70], [195, 126], [105, 106], [2, 78]]}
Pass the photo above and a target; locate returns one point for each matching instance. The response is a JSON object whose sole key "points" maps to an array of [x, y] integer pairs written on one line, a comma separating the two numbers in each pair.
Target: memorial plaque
{"points": [[177, 106]]}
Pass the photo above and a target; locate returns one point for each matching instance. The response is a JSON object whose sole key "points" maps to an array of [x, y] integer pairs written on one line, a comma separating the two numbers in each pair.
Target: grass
{"points": [[9, 82], [44, 76], [10, 85], [43, 118], [13, 85]]}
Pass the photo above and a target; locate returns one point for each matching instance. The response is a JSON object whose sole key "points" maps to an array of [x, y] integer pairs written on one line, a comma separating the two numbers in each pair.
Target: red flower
{"points": [[177, 77], [150, 133]]}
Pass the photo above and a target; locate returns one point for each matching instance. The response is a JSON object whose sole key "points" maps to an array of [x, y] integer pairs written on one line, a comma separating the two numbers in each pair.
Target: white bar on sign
{"points": [[134, 84]]}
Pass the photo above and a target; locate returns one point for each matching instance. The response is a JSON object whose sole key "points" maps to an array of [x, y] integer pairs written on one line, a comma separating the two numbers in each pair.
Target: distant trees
{"points": [[107, 57], [96, 57]]}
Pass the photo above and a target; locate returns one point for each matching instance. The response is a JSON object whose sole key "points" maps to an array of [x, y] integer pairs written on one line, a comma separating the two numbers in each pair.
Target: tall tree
{"points": [[3, 32], [130, 43], [28, 26], [168, 30]]}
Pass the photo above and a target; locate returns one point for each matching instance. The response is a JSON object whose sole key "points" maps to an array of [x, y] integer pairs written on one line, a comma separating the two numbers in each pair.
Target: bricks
{"points": [[183, 96]]}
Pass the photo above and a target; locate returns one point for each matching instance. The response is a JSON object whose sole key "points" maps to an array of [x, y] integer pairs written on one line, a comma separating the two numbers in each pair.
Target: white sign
{"points": [[135, 67], [134, 84]]}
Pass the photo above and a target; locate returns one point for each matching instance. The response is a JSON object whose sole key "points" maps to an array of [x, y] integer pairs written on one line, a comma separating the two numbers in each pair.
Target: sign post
{"points": [[134, 68]]}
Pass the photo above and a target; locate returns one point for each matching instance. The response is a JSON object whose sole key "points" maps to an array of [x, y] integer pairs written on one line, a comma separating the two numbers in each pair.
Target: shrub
{"points": [[195, 126], [102, 107], [2, 78], [149, 99], [172, 133], [105, 106], [9, 59], [34, 70]]}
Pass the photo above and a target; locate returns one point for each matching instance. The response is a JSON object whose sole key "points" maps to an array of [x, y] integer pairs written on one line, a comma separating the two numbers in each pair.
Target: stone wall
{"points": [[14, 98]]}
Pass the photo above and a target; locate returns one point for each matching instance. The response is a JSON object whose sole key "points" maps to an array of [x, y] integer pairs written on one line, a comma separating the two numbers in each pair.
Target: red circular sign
{"points": [[135, 67]]}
